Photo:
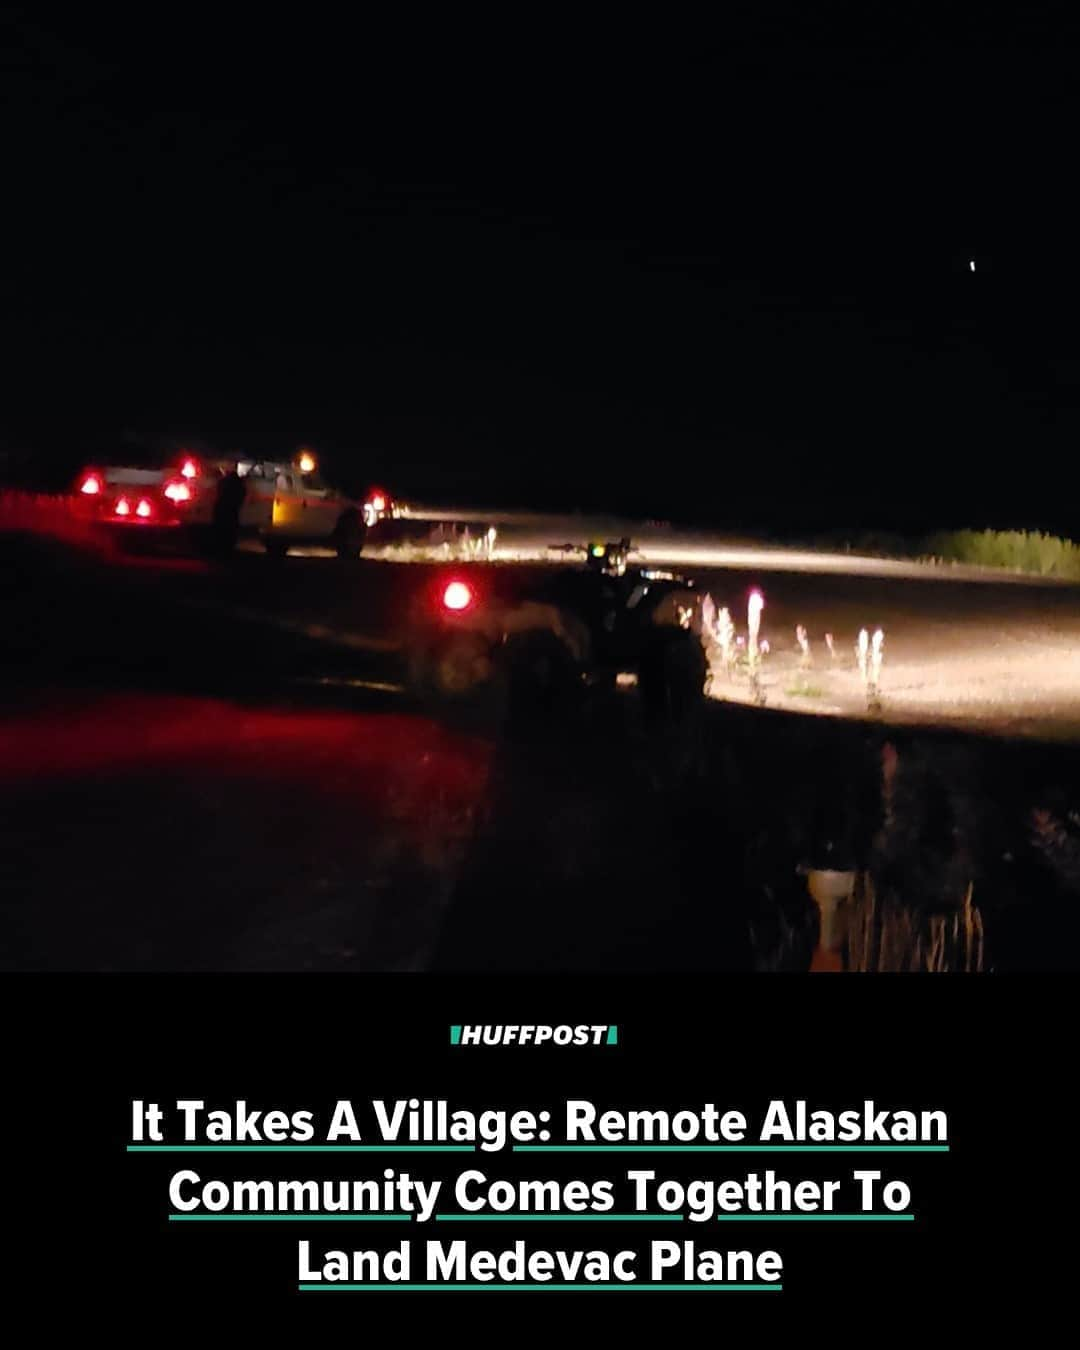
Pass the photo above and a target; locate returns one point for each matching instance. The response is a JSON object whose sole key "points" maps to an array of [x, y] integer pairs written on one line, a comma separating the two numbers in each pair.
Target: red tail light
{"points": [[144, 509], [457, 596], [189, 469], [91, 485], [122, 507], [378, 502], [178, 491]]}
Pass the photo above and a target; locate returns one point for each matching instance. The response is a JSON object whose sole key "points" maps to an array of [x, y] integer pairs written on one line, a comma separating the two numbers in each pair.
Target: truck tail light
{"points": [[122, 507], [189, 469], [91, 485], [144, 509], [178, 491]]}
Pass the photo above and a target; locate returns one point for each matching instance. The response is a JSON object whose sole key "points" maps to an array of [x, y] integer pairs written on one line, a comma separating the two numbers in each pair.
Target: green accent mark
{"points": [[536, 1288], [289, 1218], [823, 1218], [559, 1218], [300, 1148], [731, 1148]]}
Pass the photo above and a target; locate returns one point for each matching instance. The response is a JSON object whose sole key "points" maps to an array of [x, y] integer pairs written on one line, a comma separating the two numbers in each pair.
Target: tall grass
{"points": [[1045, 555], [1030, 551]]}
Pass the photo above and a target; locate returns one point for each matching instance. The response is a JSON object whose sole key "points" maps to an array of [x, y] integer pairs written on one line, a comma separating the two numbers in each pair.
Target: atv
{"points": [[578, 631]]}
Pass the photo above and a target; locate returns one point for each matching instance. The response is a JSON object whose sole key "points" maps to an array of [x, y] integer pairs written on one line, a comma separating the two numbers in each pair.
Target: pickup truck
{"points": [[214, 502]]}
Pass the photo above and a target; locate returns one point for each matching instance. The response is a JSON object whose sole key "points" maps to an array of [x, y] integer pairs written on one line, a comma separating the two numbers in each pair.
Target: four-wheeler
{"points": [[572, 630], [212, 502]]}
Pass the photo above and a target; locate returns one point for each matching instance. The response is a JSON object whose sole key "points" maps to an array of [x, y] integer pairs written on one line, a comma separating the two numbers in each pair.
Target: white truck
{"points": [[214, 502]]}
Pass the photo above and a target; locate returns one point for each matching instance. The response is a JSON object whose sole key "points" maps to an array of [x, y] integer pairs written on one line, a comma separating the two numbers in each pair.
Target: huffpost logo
{"points": [[564, 1034]]}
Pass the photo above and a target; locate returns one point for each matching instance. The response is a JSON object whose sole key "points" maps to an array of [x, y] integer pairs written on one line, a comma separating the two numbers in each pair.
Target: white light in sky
{"points": [[971, 264]]}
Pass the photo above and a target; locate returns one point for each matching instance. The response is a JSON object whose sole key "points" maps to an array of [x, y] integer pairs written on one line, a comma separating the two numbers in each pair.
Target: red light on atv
{"points": [[122, 507], [178, 491], [90, 485], [378, 502], [144, 509], [189, 469], [457, 596]]}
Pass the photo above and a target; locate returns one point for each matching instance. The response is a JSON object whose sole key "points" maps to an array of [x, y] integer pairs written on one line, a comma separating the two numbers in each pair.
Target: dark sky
{"points": [[678, 270]]}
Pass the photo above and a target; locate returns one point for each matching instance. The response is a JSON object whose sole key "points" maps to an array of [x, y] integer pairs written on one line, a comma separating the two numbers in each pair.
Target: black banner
{"points": [[821, 1148]]}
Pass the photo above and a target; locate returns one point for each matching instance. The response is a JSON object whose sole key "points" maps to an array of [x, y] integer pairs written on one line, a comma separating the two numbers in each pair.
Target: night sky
{"points": [[677, 272]]}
